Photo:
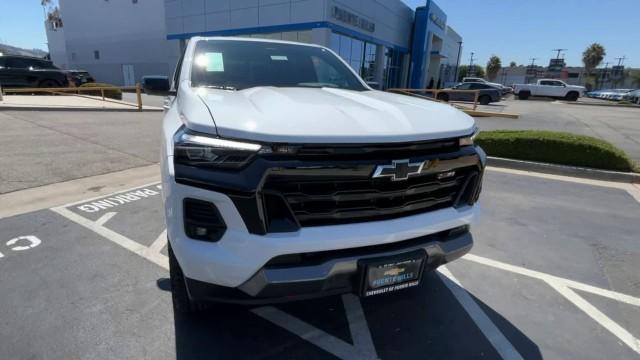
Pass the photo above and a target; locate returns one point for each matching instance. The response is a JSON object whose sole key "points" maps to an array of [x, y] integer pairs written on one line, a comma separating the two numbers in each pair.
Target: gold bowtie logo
{"points": [[393, 272]]}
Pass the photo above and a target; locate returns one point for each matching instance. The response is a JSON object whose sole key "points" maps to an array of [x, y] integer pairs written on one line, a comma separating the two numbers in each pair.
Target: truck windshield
{"points": [[237, 65]]}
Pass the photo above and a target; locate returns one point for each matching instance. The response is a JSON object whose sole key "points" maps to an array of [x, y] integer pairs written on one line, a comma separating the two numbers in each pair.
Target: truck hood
{"points": [[326, 115]]}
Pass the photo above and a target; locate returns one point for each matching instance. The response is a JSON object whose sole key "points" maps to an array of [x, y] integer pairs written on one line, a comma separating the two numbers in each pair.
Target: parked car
{"points": [[504, 89], [618, 94], [81, 77], [152, 84], [551, 88], [487, 94], [632, 96], [285, 177], [25, 71]]}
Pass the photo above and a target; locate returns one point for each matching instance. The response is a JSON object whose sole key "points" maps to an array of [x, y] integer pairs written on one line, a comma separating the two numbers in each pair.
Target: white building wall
{"points": [[393, 19], [57, 46], [124, 32]]}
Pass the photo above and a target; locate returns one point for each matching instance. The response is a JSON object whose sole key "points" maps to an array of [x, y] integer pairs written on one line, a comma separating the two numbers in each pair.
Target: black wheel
{"points": [[181, 302], [484, 100], [48, 84], [572, 96], [443, 97], [522, 95]]}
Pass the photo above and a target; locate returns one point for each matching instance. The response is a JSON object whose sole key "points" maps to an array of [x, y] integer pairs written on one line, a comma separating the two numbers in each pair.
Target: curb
{"points": [[587, 173], [46, 108]]}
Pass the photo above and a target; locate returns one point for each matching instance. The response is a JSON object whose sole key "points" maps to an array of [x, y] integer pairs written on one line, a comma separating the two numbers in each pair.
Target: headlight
{"points": [[468, 140], [203, 150]]}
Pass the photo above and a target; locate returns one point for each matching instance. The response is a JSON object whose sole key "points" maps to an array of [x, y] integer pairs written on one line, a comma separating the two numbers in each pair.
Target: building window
{"points": [[360, 55], [134, 1], [96, 54]]}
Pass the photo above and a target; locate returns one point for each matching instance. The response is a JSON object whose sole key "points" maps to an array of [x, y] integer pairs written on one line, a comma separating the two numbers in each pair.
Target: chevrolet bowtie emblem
{"points": [[399, 169], [393, 272]]}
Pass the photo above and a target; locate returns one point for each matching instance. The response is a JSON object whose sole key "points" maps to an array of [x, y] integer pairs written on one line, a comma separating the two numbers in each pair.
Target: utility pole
{"points": [[621, 59], [558, 50], [471, 71], [533, 62], [604, 74]]}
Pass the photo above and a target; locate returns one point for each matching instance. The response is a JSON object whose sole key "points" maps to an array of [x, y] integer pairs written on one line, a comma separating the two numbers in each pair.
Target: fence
{"points": [[76, 91]]}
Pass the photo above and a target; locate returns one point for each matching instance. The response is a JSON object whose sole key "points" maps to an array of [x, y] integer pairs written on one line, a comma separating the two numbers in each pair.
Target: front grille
{"points": [[316, 201]]}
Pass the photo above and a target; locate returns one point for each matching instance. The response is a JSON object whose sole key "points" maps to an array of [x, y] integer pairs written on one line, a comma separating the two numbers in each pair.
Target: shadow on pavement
{"points": [[413, 324]]}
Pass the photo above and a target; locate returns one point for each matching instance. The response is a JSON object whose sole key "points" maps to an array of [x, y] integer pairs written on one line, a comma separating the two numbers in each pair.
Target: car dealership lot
{"points": [[553, 274]]}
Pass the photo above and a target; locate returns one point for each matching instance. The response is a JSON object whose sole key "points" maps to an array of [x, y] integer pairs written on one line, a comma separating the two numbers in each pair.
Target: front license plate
{"points": [[393, 273]]}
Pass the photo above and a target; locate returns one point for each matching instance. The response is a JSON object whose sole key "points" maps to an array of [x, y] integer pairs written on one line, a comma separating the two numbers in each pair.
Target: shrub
{"points": [[114, 93], [554, 147]]}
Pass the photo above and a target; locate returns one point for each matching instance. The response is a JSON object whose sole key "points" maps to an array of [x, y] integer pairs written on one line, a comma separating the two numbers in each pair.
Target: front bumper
{"points": [[327, 273]]}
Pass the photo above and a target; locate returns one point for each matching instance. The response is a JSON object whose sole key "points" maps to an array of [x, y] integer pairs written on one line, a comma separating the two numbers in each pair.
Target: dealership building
{"points": [[385, 41]]}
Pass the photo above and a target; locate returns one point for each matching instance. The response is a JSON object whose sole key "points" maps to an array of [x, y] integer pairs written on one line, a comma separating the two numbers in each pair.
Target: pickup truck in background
{"points": [[552, 88]]}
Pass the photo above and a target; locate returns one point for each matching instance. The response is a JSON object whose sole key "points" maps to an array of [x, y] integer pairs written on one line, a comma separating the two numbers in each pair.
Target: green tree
{"points": [[464, 70], [493, 67], [592, 57], [513, 64]]}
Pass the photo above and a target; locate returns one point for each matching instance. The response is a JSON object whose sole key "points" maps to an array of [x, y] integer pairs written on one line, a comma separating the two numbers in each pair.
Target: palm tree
{"points": [[493, 67], [592, 57], [513, 64]]}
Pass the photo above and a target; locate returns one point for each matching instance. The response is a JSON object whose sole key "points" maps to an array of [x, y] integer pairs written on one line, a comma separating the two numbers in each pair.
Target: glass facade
{"points": [[392, 76]]}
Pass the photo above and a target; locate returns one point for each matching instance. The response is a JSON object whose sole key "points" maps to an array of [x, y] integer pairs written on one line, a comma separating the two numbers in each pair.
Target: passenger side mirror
{"points": [[156, 85]]}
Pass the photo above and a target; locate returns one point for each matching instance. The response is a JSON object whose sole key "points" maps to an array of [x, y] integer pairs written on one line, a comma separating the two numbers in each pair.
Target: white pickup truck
{"points": [[549, 88]]}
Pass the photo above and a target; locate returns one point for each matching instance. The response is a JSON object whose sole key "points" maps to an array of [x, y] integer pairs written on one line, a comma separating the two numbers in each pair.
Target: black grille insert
{"points": [[316, 201]]}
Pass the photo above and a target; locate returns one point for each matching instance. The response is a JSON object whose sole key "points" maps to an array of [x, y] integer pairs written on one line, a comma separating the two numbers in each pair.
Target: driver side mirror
{"points": [[156, 85]]}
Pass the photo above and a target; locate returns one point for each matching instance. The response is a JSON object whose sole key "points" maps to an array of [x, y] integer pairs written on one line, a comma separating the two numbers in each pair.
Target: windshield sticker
{"points": [[213, 61], [279, 58]]}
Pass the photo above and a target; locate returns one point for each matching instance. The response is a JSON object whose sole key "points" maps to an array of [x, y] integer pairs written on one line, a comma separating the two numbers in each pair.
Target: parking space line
{"points": [[596, 315], [159, 242], [358, 326], [107, 195], [323, 340], [486, 326], [632, 189], [114, 237], [628, 299], [106, 217]]}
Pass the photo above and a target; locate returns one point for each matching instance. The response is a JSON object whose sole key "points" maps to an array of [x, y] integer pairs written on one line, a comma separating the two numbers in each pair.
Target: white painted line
{"points": [[113, 236], [632, 189], [596, 315], [547, 277], [321, 339], [488, 328], [159, 242], [106, 217], [107, 195], [358, 326]]}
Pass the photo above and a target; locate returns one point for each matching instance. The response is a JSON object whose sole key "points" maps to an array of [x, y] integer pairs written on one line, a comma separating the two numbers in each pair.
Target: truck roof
{"points": [[229, 38]]}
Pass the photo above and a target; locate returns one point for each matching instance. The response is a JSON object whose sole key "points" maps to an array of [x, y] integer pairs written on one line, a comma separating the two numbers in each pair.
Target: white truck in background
{"points": [[552, 88]]}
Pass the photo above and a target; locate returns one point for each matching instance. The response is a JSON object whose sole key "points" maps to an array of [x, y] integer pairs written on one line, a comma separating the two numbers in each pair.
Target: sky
{"points": [[514, 30]]}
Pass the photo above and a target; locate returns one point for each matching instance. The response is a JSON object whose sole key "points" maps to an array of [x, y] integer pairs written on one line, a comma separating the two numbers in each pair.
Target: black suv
{"points": [[25, 71]]}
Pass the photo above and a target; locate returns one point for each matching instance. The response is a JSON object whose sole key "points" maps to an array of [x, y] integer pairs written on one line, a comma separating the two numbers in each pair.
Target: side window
{"points": [[545, 83], [2, 63], [327, 74], [18, 63], [464, 86]]}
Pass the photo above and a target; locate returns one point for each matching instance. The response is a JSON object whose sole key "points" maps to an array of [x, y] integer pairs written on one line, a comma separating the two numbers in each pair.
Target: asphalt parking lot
{"points": [[553, 274], [617, 125]]}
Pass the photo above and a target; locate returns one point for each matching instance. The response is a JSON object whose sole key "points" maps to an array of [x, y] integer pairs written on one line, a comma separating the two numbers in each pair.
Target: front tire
{"points": [[484, 100], [443, 97], [572, 96], [48, 84], [523, 95]]}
